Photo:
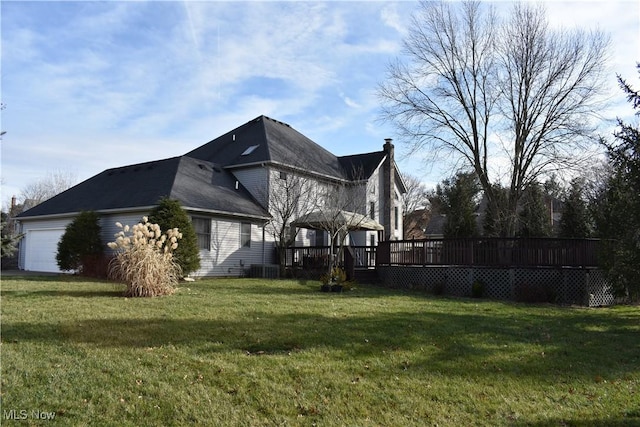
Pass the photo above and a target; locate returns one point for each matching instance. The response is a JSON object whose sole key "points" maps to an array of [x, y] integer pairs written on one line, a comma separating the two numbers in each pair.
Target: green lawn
{"points": [[244, 352]]}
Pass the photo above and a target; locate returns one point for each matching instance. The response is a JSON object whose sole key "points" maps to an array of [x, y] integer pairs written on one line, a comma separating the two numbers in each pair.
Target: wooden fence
{"points": [[514, 252], [543, 252]]}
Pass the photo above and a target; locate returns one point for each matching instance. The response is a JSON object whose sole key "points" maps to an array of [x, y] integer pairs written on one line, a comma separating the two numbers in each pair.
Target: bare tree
{"points": [[52, 183], [416, 207], [339, 208], [551, 82], [417, 195], [289, 197], [342, 209], [470, 78]]}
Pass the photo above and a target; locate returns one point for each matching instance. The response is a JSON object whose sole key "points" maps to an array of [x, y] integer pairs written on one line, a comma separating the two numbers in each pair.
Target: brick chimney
{"points": [[388, 193]]}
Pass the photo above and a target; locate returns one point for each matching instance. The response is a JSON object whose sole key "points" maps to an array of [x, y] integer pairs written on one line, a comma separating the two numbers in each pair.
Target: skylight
{"points": [[249, 150]]}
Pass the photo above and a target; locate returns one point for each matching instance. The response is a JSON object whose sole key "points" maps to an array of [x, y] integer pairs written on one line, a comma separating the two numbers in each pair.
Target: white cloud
{"points": [[390, 17], [94, 85], [349, 102]]}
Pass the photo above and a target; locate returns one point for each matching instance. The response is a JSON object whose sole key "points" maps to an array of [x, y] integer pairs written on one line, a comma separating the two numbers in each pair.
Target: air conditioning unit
{"points": [[265, 271]]}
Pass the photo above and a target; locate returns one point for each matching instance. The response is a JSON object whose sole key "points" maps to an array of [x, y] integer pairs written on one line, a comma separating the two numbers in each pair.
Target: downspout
{"points": [[264, 224], [20, 246]]}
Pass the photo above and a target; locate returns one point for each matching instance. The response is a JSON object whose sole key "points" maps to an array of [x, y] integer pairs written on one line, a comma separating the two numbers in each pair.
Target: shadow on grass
{"points": [[117, 292], [624, 420], [40, 278], [485, 344], [311, 289]]}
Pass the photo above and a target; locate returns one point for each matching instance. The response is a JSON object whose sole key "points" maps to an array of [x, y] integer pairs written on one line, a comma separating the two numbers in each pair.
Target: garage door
{"points": [[42, 246]]}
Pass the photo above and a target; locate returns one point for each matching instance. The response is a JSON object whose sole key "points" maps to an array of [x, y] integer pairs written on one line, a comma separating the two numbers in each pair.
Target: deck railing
{"points": [[315, 257], [544, 252], [492, 252]]}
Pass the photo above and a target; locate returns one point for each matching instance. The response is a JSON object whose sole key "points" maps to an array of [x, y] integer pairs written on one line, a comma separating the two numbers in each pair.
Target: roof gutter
{"points": [[101, 211], [289, 167], [144, 209], [229, 214]]}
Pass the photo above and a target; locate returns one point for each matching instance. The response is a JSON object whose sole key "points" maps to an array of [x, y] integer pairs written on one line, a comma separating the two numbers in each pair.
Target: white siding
{"points": [[381, 205], [399, 233], [108, 224], [306, 188], [226, 257], [373, 194], [358, 199], [305, 237]]}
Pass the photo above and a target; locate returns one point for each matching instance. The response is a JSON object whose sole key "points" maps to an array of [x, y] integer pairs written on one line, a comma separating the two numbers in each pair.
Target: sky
{"points": [[89, 86]]}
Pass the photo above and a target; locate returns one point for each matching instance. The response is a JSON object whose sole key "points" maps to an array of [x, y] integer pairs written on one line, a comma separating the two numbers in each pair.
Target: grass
{"points": [[249, 352]]}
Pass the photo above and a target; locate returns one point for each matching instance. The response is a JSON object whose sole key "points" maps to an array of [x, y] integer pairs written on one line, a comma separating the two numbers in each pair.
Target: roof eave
{"points": [[75, 213], [289, 167], [264, 218], [144, 209]]}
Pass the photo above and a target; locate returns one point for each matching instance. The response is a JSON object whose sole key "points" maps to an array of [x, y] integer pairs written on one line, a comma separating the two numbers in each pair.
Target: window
{"points": [[249, 150], [319, 238], [245, 235], [202, 227], [372, 210], [283, 176], [395, 217]]}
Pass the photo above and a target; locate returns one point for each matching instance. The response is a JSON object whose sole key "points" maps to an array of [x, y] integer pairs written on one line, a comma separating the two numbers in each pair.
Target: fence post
{"points": [[349, 265]]}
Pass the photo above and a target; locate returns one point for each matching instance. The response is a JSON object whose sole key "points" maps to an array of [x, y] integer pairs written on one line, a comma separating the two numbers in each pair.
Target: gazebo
{"points": [[338, 223]]}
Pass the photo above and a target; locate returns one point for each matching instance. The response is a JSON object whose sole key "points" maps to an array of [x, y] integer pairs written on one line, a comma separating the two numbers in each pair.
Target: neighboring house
{"points": [[227, 187], [435, 227], [415, 224]]}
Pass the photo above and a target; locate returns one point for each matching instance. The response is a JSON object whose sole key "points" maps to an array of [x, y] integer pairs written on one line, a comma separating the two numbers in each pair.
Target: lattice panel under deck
{"points": [[423, 278], [563, 286], [573, 288], [496, 282], [459, 280], [598, 290]]}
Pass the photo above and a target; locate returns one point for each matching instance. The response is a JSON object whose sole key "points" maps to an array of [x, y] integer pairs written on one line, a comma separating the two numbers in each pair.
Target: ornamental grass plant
{"points": [[144, 259]]}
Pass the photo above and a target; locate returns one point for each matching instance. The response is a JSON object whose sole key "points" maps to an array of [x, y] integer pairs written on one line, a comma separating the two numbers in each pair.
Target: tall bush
{"points": [[144, 259], [9, 239], [80, 242], [575, 222], [534, 217], [169, 214], [617, 208], [458, 201]]}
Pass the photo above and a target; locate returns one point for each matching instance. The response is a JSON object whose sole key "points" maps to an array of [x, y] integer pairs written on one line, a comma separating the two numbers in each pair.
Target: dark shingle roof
{"points": [[207, 186], [275, 142], [195, 183], [361, 166], [435, 226], [202, 178]]}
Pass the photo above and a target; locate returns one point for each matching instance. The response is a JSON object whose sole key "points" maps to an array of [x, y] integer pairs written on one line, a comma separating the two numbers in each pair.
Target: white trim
{"points": [[139, 209]]}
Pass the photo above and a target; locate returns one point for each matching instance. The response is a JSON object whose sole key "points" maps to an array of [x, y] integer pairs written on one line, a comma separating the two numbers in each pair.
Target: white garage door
{"points": [[42, 246]]}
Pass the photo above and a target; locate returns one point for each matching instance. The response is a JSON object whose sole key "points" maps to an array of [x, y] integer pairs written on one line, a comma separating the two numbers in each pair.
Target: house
{"points": [[228, 186], [415, 224]]}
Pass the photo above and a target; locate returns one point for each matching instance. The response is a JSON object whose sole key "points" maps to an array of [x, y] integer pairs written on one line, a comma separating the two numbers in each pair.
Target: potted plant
{"points": [[333, 281], [325, 279]]}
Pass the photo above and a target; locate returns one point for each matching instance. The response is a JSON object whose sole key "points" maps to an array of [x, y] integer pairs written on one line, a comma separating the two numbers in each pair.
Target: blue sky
{"points": [[94, 85]]}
